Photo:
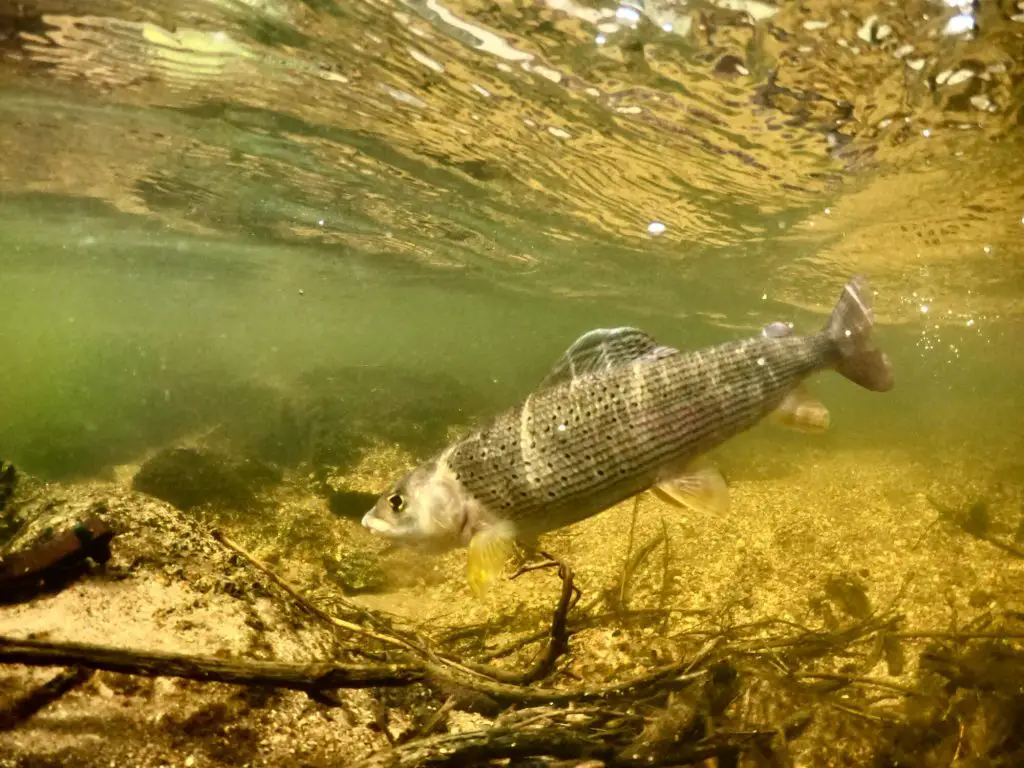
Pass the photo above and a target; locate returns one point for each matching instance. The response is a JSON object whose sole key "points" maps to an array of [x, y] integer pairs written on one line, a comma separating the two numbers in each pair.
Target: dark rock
{"points": [[8, 479], [10, 524], [189, 478], [329, 417], [849, 594], [350, 504], [976, 522]]}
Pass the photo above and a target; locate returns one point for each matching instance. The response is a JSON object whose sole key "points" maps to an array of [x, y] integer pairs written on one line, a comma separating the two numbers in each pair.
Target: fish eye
{"points": [[396, 501]]}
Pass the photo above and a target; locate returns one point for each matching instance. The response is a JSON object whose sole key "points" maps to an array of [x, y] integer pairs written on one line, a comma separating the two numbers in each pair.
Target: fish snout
{"points": [[373, 522]]}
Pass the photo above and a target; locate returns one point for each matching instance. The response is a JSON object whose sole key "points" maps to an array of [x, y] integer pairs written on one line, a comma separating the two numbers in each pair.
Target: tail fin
{"points": [[849, 328]]}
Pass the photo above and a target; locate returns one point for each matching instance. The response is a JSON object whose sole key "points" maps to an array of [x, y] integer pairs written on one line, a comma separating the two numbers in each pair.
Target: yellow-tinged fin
{"points": [[802, 412], [489, 550], [701, 488]]}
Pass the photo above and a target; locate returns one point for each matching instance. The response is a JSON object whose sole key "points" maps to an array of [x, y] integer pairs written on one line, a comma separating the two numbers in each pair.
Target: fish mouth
{"points": [[374, 523]]}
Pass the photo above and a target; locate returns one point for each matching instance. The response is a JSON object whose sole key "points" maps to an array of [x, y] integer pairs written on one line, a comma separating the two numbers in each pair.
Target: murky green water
{"points": [[202, 198]]}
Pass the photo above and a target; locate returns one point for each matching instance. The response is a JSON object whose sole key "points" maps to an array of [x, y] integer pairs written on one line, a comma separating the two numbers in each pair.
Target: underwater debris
{"points": [[46, 694], [771, 692], [602, 723], [976, 521], [970, 710], [52, 562]]}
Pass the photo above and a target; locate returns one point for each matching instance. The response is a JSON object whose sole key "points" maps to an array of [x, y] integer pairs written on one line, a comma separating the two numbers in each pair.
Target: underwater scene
{"points": [[512, 383]]}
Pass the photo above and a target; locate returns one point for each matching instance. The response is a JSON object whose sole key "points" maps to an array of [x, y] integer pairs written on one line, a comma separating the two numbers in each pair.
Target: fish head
{"points": [[427, 506]]}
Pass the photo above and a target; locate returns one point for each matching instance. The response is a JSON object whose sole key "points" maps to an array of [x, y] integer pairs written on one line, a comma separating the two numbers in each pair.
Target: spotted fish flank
{"points": [[620, 414]]}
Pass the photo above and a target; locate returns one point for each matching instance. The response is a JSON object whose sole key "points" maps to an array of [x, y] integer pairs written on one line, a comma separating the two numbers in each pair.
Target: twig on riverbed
{"points": [[26, 706], [317, 678]]}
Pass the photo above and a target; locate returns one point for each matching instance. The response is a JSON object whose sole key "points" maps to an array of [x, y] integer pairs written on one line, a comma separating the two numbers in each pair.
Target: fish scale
{"points": [[689, 402]]}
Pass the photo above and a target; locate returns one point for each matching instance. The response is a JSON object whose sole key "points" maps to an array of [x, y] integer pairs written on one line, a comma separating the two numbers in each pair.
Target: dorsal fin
{"points": [[602, 349]]}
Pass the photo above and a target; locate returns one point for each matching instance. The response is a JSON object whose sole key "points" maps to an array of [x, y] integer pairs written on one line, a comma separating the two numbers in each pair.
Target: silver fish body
{"points": [[577, 448], [620, 414]]}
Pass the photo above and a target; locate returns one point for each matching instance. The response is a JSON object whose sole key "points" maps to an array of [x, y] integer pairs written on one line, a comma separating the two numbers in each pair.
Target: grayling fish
{"points": [[619, 415]]}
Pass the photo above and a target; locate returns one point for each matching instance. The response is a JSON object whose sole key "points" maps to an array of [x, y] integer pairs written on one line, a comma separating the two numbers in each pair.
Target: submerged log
{"points": [[314, 678], [318, 679]]}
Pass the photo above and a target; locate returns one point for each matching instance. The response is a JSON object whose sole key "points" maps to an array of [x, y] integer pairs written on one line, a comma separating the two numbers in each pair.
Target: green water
{"points": [[460, 190], [424, 204]]}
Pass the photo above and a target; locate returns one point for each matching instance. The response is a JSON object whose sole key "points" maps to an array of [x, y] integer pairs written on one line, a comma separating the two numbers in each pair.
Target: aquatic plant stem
{"points": [[26, 706], [557, 645], [629, 550], [308, 606], [312, 678], [319, 678]]}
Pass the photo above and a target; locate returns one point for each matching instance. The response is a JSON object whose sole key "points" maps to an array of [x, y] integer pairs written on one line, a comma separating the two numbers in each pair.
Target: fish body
{"points": [[620, 414]]}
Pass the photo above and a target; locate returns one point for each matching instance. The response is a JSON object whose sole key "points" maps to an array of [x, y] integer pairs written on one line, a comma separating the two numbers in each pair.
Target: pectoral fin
{"points": [[802, 412], [489, 550], [701, 487]]}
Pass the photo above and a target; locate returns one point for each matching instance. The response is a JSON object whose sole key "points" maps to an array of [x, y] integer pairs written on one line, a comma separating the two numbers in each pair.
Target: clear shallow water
{"points": [[205, 205]]}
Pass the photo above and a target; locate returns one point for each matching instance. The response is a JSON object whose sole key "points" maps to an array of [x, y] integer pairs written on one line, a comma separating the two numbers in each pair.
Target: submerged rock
{"points": [[349, 504], [329, 417], [9, 524], [191, 477], [8, 479]]}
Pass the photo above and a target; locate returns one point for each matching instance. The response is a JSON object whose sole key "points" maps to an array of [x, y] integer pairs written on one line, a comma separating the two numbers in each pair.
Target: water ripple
{"points": [[518, 142]]}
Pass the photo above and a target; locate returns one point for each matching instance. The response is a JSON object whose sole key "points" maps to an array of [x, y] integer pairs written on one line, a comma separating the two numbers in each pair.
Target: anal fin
{"points": [[802, 412], [700, 487], [489, 550]]}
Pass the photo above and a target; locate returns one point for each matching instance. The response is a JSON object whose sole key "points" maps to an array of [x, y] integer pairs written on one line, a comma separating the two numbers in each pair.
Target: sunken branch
{"points": [[311, 678]]}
